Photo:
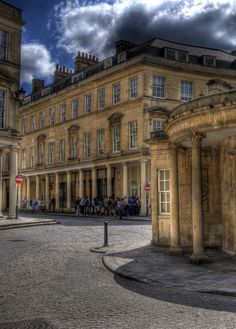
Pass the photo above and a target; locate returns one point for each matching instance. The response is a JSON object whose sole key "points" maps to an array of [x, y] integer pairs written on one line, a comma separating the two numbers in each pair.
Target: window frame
{"points": [[63, 112], [184, 91], [3, 47], [87, 103], [52, 116], [133, 93], [101, 98], [133, 134], [158, 86], [116, 137], [116, 93], [51, 153], [62, 154], [100, 142], [87, 145], [74, 109], [164, 194], [42, 119]]}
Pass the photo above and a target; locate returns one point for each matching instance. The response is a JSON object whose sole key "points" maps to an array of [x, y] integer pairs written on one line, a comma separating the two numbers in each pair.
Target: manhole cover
{"points": [[17, 240], [27, 324]]}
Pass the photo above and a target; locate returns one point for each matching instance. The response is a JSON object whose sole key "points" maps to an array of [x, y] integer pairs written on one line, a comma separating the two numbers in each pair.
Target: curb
{"points": [[23, 225]]}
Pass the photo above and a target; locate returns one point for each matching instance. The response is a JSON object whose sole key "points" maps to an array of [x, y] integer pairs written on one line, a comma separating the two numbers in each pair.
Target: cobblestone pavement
{"points": [[50, 279]]}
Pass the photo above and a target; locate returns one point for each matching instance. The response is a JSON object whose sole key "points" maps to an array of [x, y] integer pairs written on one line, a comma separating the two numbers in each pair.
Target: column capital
{"points": [[196, 138], [14, 148], [173, 147]]}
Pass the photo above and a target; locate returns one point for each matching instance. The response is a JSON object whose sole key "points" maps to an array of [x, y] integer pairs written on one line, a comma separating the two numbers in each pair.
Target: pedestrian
{"points": [[77, 207], [52, 204]]}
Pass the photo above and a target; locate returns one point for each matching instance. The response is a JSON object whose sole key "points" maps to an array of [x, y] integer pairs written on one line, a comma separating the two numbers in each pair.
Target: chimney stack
{"points": [[37, 85], [83, 60]]}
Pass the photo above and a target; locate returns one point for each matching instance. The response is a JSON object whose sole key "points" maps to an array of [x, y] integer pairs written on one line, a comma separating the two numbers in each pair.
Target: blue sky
{"points": [[56, 30]]}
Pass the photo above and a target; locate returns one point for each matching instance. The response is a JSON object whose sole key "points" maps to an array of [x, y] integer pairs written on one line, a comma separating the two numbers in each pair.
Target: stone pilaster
{"points": [[81, 183], [174, 201], [28, 191], [198, 255], [143, 194], [47, 201], [94, 183], [68, 191], [125, 179], [57, 196], [37, 187], [109, 190], [13, 173]]}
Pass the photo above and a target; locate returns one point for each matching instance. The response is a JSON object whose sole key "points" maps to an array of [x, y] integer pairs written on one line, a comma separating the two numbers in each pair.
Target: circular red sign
{"points": [[19, 179], [147, 187]]}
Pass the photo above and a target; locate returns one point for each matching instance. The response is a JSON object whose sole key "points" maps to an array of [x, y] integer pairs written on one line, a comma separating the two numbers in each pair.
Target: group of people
{"points": [[108, 206]]}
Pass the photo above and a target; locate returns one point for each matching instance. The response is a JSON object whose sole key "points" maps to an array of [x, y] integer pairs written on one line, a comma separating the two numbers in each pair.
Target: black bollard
{"points": [[105, 234]]}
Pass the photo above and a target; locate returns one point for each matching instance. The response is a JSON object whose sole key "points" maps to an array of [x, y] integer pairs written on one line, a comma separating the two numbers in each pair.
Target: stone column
{"points": [[154, 201], [1, 185], [94, 183], [57, 196], [47, 201], [109, 189], [68, 191], [198, 255], [125, 179], [143, 194], [37, 187], [4, 189], [28, 191], [174, 201], [13, 173], [81, 183]]}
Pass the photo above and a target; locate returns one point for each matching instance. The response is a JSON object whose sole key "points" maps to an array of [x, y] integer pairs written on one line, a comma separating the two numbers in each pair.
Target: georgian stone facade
{"points": [[89, 133], [10, 43]]}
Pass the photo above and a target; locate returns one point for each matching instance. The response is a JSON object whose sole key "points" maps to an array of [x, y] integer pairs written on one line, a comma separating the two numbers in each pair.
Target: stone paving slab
{"points": [[149, 264], [24, 222]]}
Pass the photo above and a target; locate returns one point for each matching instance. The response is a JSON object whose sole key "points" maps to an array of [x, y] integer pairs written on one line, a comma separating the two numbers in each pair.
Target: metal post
{"points": [[105, 234], [17, 202]]}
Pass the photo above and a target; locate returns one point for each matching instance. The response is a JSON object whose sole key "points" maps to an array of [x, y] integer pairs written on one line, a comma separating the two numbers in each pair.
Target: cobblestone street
{"points": [[50, 279]]}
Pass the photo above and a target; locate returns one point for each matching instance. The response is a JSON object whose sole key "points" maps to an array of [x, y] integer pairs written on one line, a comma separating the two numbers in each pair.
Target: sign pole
{"points": [[17, 189], [19, 181]]}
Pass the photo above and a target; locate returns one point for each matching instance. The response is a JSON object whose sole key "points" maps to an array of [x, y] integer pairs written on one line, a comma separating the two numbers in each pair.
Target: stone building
{"points": [[88, 133], [10, 45]]}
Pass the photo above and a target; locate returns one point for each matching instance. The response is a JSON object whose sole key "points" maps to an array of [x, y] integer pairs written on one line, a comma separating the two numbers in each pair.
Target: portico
{"points": [[198, 151]]}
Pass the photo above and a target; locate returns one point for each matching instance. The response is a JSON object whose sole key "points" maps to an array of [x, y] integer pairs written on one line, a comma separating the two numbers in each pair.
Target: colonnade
{"points": [[37, 189]]}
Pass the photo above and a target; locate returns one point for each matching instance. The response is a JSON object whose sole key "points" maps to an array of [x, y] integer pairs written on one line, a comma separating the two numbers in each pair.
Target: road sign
{"points": [[147, 187], [19, 179]]}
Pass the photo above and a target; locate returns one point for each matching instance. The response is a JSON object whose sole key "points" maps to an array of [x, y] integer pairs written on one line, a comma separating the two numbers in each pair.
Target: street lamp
{"points": [[19, 95]]}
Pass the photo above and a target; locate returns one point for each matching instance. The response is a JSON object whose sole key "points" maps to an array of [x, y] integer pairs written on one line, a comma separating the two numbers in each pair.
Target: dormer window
{"points": [[108, 63], [121, 57], [3, 45], [209, 61], [183, 56], [170, 54]]}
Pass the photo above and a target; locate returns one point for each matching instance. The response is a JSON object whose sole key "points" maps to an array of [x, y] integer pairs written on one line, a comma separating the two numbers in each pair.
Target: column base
{"points": [[1, 215], [175, 251], [12, 217], [199, 259]]}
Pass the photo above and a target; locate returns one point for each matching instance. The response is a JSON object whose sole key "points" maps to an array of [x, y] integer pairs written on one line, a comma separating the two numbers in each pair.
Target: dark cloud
{"points": [[95, 28]]}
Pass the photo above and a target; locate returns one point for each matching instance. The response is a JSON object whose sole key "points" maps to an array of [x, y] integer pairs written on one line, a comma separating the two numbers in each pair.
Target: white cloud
{"points": [[94, 26], [36, 62]]}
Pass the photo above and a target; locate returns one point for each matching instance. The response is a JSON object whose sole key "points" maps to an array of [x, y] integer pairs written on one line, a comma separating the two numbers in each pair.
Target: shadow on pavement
{"points": [[151, 272]]}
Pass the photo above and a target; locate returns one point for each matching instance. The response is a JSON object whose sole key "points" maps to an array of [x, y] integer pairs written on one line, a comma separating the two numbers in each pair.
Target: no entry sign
{"points": [[147, 187], [19, 179]]}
